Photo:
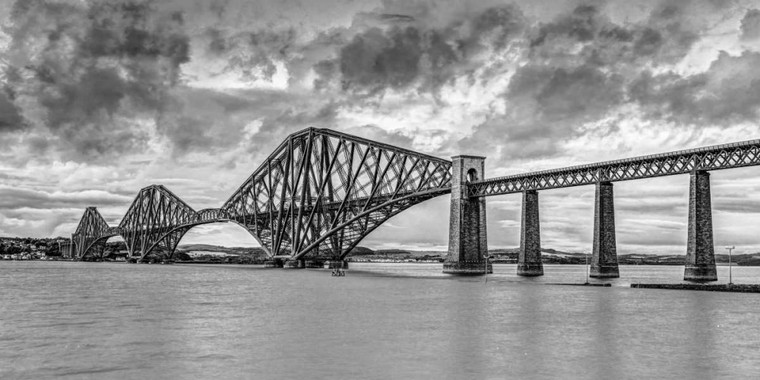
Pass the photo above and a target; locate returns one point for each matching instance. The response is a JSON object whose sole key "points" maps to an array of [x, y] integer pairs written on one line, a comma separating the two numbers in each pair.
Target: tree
{"points": [[52, 250]]}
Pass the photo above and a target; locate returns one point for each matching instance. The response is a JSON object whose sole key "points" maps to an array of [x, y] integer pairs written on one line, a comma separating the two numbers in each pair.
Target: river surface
{"points": [[381, 321]]}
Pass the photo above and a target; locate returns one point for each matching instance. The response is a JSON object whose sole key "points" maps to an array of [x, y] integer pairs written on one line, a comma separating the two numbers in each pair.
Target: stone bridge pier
{"points": [[604, 263], [529, 259], [468, 245], [700, 252]]}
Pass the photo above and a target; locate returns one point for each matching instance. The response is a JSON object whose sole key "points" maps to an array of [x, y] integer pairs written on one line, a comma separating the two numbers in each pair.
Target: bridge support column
{"points": [[604, 263], [529, 259], [315, 264], [700, 252], [468, 245]]}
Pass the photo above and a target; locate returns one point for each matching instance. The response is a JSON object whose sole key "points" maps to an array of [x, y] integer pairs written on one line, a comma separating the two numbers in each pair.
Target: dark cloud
{"points": [[728, 92], [253, 55], [375, 60], [580, 67], [10, 114], [415, 55], [578, 93], [750, 26], [587, 36], [102, 75], [214, 122], [81, 67]]}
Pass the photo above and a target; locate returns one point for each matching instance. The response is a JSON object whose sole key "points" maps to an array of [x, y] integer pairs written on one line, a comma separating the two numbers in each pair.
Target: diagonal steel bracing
{"points": [[91, 234], [321, 192], [716, 157], [158, 219], [317, 195], [154, 224]]}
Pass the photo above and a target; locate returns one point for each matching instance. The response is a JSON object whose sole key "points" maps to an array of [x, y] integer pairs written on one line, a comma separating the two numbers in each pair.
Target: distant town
{"points": [[16, 248]]}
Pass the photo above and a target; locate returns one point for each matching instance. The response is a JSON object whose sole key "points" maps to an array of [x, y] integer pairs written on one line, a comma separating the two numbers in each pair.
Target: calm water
{"points": [[382, 321]]}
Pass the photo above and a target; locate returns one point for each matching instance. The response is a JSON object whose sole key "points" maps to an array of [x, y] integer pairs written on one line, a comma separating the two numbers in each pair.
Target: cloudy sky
{"points": [[101, 98]]}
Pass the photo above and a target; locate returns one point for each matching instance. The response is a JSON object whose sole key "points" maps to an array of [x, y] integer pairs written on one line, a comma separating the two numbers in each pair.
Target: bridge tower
{"points": [[468, 245], [700, 252]]}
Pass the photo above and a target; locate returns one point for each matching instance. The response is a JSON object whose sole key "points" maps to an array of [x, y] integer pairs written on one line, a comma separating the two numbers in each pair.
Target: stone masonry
{"points": [[700, 252], [468, 244], [529, 259], [604, 263]]}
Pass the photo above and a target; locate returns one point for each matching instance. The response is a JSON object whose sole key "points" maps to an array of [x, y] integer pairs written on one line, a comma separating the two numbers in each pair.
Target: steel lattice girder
{"points": [[320, 192], [91, 234], [158, 219], [716, 157]]}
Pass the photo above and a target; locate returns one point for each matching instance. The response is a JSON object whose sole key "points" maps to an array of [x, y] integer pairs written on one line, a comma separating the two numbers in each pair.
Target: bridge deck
{"points": [[725, 156]]}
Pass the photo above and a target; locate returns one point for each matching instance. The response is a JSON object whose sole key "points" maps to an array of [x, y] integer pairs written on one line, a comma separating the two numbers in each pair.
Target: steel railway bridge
{"points": [[321, 192]]}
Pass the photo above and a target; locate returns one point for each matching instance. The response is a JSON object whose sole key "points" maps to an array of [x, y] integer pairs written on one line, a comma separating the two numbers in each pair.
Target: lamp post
{"points": [[730, 279]]}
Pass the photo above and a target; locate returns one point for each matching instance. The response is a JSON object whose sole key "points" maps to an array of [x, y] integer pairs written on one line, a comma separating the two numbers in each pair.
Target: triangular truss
{"points": [[91, 234], [321, 192], [724, 156], [158, 219]]}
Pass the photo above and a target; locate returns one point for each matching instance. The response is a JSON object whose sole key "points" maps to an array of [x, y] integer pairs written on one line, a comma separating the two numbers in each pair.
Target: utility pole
{"points": [[730, 279]]}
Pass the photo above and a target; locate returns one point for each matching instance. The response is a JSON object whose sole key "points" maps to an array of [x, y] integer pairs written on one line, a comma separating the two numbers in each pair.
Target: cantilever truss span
{"points": [[317, 195], [716, 157], [158, 219], [90, 236], [321, 192]]}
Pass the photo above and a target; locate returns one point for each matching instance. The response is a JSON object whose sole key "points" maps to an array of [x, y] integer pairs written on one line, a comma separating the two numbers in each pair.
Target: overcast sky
{"points": [[101, 98]]}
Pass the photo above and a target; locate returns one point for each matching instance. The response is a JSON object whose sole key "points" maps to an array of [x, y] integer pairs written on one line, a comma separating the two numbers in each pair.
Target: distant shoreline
{"points": [[381, 261]]}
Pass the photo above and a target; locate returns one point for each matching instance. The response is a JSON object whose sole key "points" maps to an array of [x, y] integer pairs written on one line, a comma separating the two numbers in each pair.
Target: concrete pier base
{"points": [[294, 264], [468, 245], [700, 252], [530, 270], [275, 263], [336, 264], [474, 268], [604, 263], [700, 273], [529, 259], [315, 264]]}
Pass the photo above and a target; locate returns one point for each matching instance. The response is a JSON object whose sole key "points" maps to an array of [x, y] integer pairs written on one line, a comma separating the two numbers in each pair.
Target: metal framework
{"points": [[317, 195], [158, 219], [91, 234], [321, 192], [715, 157]]}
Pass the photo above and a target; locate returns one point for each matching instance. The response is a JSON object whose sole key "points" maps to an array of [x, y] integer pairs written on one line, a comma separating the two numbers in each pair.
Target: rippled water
{"points": [[107, 320]]}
